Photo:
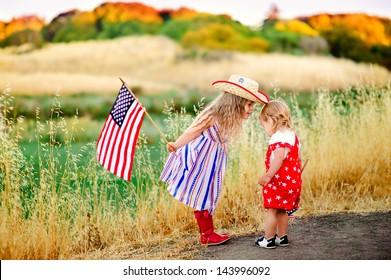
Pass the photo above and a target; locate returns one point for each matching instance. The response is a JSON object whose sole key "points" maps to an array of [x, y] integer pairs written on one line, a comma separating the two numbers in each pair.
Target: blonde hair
{"points": [[279, 112], [228, 110]]}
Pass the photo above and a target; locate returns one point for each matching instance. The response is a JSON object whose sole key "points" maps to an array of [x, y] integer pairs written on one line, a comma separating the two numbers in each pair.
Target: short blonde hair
{"points": [[279, 112]]}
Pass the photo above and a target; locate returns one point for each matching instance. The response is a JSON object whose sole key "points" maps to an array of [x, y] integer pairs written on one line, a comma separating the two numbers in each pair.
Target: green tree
{"points": [[381, 55], [177, 28], [343, 42], [80, 27], [110, 30], [281, 41]]}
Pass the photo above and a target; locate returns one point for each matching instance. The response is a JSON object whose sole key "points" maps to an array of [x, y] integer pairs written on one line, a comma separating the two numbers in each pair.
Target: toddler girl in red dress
{"points": [[281, 184]]}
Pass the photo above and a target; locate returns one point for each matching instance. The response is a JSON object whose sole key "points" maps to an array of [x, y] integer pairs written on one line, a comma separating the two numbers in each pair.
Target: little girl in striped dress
{"points": [[195, 172]]}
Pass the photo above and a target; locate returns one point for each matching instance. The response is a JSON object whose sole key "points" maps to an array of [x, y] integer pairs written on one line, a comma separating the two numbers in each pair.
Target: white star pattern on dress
{"points": [[286, 183]]}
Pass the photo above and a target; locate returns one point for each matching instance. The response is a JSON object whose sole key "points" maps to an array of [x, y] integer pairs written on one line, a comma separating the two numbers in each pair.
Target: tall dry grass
{"points": [[76, 210]]}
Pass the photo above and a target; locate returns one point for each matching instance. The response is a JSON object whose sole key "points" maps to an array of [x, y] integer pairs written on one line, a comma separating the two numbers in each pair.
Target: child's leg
{"points": [[271, 222], [282, 223]]}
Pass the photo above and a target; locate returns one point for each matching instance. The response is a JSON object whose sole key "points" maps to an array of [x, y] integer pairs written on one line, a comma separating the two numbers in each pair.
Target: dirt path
{"points": [[339, 237]]}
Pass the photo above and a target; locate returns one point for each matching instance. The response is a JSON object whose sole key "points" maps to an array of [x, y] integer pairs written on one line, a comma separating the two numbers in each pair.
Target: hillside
{"points": [[157, 64], [358, 37]]}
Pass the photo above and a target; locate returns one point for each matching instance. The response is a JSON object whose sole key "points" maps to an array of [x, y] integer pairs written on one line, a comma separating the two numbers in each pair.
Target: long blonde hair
{"points": [[228, 110], [279, 112]]}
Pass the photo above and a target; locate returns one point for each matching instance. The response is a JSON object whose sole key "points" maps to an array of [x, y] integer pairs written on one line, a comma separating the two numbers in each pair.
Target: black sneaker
{"points": [[282, 241], [265, 243]]}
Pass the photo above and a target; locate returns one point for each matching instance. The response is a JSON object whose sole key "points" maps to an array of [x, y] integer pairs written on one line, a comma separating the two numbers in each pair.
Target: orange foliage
{"points": [[296, 26], [370, 29], [20, 24], [2, 30], [119, 12], [183, 13], [84, 18]]}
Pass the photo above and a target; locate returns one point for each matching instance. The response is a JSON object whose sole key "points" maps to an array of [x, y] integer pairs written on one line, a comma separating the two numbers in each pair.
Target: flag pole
{"points": [[146, 113], [305, 163]]}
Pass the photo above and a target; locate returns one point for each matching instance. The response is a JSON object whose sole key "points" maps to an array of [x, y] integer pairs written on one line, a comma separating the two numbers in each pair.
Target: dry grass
{"points": [[69, 210], [156, 64], [72, 215]]}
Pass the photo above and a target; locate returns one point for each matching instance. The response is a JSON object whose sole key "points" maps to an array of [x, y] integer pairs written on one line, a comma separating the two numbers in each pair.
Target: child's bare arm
{"points": [[191, 133], [274, 166]]}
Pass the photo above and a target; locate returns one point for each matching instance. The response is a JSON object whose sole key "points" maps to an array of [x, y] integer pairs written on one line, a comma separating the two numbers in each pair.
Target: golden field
{"points": [[73, 209], [157, 64]]}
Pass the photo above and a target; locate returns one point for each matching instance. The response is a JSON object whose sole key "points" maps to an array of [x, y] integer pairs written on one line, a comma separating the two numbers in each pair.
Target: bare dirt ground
{"points": [[330, 237]]}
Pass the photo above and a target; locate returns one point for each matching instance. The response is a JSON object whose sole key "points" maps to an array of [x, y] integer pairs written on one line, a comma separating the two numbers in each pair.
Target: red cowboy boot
{"points": [[205, 224]]}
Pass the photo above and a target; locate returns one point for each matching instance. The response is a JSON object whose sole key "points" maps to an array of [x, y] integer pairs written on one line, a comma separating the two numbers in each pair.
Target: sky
{"points": [[248, 12]]}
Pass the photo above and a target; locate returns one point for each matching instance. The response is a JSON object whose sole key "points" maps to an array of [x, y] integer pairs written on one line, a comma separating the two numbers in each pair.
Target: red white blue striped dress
{"points": [[195, 175]]}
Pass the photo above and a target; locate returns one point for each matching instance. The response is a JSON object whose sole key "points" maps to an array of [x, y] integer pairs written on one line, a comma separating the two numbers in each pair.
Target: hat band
{"points": [[228, 82]]}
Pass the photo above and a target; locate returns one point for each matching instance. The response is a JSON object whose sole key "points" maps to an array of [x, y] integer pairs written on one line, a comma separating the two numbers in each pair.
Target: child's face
{"points": [[268, 126], [248, 109]]}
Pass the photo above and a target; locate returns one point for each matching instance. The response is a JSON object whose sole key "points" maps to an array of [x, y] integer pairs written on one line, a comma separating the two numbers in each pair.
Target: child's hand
{"points": [[265, 179], [171, 147]]}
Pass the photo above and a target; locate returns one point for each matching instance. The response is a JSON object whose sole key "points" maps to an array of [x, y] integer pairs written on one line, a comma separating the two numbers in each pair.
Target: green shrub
{"points": [[109, 30], [33, 37], [281, 41], [222, 37], [177, 28], [381, 55], [344, 42], [76, 28]]}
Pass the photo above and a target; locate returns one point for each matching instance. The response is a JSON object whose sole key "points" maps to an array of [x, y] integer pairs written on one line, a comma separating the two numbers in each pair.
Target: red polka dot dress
{"points": [[283, 191]]}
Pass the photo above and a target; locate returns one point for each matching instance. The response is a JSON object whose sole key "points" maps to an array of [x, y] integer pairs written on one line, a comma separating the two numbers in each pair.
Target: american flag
{"points": [[117, 141]]}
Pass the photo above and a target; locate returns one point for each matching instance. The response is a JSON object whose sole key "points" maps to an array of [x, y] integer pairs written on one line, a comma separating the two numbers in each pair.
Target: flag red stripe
{"points": [[112, 150], [124, 139], [125, 171], [103, 132], [108, 142], [137, 131], [124, 153], [105, 141], [120, 138]]}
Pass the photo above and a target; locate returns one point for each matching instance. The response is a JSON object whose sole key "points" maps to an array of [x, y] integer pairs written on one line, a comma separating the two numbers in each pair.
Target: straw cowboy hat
{"points": [[243, 87]]}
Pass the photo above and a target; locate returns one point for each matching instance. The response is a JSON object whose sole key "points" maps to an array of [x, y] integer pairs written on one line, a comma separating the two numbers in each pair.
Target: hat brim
{"points": [[236, 89]]}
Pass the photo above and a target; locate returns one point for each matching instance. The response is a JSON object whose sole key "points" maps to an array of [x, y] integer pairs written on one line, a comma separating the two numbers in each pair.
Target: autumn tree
{"points": [[79, 27]]}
